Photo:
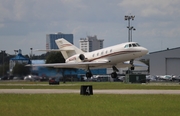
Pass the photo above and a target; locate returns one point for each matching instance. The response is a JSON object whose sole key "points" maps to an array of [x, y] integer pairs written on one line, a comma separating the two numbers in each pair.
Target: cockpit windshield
{"points": [[131, 45]]}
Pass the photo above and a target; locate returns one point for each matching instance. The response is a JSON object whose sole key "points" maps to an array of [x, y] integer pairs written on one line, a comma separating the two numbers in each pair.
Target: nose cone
{"points": [[144, 51]]}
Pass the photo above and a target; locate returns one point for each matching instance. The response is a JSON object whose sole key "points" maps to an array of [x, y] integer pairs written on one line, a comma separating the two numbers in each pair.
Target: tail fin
{"points": [[67, 49]]}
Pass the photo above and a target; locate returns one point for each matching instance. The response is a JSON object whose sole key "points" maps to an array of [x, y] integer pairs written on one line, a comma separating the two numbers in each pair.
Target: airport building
{"points": [[20, 59], [50, 39], [165, 62], [91, 43]]}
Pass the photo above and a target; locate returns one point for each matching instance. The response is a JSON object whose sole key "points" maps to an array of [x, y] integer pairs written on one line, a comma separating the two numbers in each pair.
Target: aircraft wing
{"points": [[82, 65], [137, 63]]}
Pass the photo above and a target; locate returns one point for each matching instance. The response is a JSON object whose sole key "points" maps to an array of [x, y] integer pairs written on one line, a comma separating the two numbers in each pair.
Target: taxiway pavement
{"points": [[61, 91]]}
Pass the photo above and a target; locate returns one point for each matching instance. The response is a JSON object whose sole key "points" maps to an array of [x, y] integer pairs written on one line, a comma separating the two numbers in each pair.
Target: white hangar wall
{"points": [[165, 62]]}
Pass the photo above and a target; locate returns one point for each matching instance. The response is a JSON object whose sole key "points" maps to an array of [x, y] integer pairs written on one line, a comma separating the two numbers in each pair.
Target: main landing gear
{"points": [[115, 70], [88, 73], [114, 74]]}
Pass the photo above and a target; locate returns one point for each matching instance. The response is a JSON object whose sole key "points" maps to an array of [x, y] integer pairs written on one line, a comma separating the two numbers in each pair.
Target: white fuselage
{"points": [[114, 54]]}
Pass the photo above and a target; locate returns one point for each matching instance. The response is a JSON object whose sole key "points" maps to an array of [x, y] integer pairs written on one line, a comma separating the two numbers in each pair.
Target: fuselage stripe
{"points": [[113, 54]]}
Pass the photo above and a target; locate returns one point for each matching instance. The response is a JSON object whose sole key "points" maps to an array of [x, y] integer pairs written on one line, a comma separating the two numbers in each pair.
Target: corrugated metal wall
{"points": [[163, 62]]}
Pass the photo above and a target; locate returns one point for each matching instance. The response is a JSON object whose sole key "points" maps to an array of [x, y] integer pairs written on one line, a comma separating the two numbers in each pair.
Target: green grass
{"points": [[95, 105], [96, 85]]}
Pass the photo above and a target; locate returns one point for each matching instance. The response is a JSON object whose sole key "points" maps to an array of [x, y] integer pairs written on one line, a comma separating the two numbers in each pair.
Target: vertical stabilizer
{"points": [[67, 49]]}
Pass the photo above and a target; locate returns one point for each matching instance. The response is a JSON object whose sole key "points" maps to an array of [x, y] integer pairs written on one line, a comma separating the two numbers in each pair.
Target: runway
{"points": [[62, 91]]}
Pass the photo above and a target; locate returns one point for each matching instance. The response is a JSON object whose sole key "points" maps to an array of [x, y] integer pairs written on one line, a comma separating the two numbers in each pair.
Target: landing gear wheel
{"points": [[88, 74], [132, 68], [114, 75]]}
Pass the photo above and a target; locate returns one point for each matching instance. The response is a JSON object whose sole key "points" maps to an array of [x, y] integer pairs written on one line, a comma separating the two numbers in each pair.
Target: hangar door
{"points": [[173, 66]]}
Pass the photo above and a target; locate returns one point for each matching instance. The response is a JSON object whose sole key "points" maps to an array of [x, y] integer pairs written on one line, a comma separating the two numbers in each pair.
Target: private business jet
{"points": [[121, 55]]}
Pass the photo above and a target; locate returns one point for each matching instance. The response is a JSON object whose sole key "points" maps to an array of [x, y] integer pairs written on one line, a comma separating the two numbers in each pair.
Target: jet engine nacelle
{"points": [[82, 57], [77, 58]]}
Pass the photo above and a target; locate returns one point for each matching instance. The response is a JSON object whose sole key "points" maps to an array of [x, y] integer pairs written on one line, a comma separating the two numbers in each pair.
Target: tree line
{"points": [[20, 69]]}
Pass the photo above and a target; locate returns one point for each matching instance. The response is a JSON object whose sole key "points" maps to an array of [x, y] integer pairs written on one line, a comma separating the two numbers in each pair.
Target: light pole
{"points": [[31, 59], [3, 51], [131, 29], [129, 25], [31, 53], [16, 51]]}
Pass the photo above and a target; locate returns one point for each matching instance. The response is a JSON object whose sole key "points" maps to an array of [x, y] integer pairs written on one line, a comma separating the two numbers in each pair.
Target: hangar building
{"points": [[166, 62]]}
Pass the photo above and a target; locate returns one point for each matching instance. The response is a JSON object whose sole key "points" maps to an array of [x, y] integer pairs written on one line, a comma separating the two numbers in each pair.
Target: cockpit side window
{"points": [[126, 46], [134, 45], [131, 45], [137, 44]]}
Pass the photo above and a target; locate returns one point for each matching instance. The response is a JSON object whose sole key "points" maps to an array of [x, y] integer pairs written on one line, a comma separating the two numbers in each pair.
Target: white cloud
{"points": [[25, 20], [19, 10], [5, 10], [16, 10], [148, 8]]}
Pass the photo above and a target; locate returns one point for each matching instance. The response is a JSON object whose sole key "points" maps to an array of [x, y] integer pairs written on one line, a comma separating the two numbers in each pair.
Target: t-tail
{"points": [[67, 49]]}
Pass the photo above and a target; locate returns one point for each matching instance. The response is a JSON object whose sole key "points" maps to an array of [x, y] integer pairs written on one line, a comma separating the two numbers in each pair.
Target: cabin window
{"points": [[102, 53], [97, 54], [106, 52], [111, 50], [93, 55]]}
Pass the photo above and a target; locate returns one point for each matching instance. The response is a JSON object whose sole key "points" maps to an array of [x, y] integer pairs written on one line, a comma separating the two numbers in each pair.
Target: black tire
{"points": [[132, 68], [114, 75], [88, 74]]}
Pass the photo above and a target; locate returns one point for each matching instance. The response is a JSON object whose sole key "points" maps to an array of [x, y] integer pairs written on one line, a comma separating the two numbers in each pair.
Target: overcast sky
{"points": [[25, 23]]}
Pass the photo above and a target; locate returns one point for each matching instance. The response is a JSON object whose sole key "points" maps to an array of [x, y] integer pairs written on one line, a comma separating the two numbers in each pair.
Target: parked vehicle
{"points": [[176, 78], [54, 80], [32, 78]]}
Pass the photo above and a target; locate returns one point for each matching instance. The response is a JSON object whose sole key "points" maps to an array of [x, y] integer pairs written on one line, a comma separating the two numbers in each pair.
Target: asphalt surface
{"points": [[61, 91]]}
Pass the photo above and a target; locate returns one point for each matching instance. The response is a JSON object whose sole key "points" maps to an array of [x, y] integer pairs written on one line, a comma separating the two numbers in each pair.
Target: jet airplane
{"points": [[117, 56]]}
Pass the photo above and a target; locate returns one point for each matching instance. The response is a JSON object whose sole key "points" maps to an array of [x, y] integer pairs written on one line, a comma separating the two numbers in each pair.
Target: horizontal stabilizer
{"points": [[53, 50]]}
